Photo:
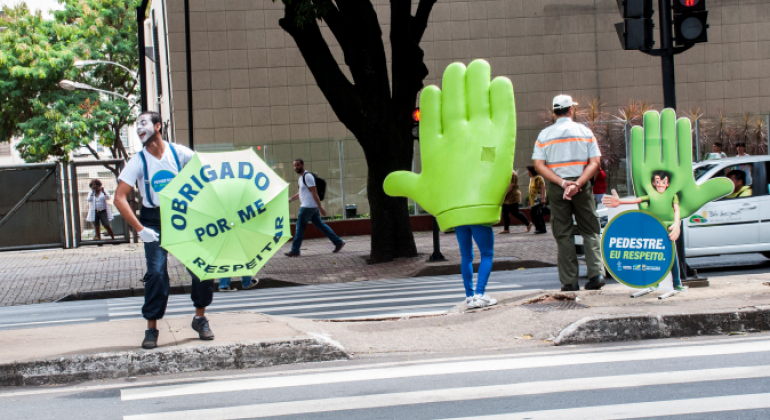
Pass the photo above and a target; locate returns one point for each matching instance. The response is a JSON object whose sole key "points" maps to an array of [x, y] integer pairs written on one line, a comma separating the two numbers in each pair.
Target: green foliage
{"points": [[36, 54], [32, 60], [307, 10]]}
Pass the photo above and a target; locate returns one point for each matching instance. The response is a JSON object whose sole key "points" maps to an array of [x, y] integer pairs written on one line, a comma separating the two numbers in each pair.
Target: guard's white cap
{"points": [[563, 101]]}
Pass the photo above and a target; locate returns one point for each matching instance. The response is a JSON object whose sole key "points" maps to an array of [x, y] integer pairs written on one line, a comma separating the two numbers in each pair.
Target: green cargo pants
{"points": [[583, 207]]}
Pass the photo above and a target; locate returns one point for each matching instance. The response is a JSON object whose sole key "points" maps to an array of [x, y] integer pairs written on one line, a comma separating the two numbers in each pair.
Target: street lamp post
{"points": [[83, 63], [70, 85]]}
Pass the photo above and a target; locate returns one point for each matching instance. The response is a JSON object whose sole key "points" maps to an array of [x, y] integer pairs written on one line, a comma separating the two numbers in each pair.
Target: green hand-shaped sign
{"points": [[467, 137], [665, 144]]}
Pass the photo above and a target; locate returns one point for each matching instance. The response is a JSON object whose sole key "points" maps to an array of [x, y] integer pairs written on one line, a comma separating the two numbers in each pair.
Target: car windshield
{"points": [[701, 170]]}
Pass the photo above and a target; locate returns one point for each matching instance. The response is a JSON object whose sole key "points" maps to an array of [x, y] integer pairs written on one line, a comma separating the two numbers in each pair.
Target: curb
{"points": [[645, 327], [242, 355]]}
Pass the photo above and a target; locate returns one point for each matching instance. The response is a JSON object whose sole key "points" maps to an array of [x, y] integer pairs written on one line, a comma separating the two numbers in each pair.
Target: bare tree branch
{"points": [[408, 66], [420, 20], [337, 89]]}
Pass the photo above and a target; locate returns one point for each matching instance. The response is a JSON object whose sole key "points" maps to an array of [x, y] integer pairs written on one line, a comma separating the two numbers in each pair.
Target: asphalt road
{"points": [[396, 297], [722, 378]]}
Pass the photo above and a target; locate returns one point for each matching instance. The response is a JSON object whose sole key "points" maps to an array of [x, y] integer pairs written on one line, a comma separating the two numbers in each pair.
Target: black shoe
{"points": [[201, 325], [540, 232], [595, 283], [574, 287], [150, 339], [339, 246], [253, 284], [291, 254]]}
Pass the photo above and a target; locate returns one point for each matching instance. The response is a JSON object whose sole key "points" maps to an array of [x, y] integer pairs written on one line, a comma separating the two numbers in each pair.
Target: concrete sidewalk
{"points": [[736, 304], [28, 277]]}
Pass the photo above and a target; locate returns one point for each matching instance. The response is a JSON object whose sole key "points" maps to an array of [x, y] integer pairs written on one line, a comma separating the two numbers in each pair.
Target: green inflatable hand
{"points": [[467, 138], [665, 144]]}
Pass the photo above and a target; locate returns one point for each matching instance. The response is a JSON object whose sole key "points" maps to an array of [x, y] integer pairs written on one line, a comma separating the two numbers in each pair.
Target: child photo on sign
{"points": [[661, 180]]}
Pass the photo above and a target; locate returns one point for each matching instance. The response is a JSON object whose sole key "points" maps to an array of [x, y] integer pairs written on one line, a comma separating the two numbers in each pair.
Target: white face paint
{"points": [[145, 129]]}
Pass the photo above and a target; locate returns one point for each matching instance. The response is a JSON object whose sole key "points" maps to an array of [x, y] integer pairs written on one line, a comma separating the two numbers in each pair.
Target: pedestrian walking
{"points": [[310, 210], [600, 185], [567, 156], [99, 211], [247, 282], [511, 205], [154, 167], [537, 200]]}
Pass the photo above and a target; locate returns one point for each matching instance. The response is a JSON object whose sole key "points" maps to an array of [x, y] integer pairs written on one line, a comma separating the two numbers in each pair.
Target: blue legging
{"points": [[675, 271], [485, 239]]}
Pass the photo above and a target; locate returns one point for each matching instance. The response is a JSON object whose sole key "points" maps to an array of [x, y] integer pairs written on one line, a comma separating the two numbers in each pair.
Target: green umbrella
{"points": [[225, 214]]}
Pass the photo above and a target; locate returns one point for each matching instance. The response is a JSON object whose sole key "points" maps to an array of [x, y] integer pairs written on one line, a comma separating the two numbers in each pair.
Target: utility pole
{"points": [[635, 33]]}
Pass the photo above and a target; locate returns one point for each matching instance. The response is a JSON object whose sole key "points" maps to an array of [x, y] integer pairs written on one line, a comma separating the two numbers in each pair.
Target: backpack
{"points": [[320, 184]]}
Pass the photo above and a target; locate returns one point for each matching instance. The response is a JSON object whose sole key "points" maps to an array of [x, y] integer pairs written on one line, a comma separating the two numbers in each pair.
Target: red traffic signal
{"points": [[416, 115], [683, 6]]}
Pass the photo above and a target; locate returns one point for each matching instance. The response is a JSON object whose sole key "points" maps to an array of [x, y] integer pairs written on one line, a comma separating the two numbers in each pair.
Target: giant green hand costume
{"points": [[467, 138], [666, 144]]}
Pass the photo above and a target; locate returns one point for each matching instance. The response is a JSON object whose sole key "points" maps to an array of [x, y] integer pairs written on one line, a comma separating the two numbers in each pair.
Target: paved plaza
{"points": [[28, 277]]}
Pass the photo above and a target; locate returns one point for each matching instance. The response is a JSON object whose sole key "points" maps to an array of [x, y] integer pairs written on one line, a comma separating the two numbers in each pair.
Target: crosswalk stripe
{"points": [[281, 306], [382, 312], [47, 322], [461, 394], [440, 369], [314, 290], [669, 408], [256, 299]]}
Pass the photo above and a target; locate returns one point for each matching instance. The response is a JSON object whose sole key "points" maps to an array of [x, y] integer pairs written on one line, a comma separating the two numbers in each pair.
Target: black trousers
{"points": [[538, 213], [156, 280], [513, 209]]}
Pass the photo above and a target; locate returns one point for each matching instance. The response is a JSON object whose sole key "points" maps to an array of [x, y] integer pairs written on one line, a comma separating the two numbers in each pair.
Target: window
{"points": [[746, 188], [701, 170]]}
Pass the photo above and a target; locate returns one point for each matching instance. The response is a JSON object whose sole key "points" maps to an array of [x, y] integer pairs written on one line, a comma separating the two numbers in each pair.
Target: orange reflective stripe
{"points": [[560, 165], [569, 140]]}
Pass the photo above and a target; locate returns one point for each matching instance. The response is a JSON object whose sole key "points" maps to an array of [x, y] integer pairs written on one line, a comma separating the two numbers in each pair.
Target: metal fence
{"points": [[82, 173], [340, 162], [31, 207]]}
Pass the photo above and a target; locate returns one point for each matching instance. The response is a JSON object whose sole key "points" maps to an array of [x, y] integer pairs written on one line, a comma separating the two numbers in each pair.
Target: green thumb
{"points": [[401, 184]]}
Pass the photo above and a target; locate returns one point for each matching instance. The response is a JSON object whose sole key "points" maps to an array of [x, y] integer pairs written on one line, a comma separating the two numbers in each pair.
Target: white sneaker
{"points": [[484, 301], [469, 301]]}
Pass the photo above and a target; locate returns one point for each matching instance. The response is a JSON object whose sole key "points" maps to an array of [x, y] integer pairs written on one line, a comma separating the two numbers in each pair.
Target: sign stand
{"points": [[667, 285]]}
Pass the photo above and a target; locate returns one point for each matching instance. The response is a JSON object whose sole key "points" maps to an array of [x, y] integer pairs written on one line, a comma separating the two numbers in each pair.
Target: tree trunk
{"points": [[378, 116], [391, 229]]}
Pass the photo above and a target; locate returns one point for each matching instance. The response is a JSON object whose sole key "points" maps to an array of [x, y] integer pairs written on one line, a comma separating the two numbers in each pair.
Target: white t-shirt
{"points": [[160, 172], [305, 195]]}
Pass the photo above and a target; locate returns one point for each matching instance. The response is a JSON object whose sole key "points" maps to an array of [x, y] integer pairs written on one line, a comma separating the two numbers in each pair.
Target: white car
{"points": [[731, 225], [726, 226]]}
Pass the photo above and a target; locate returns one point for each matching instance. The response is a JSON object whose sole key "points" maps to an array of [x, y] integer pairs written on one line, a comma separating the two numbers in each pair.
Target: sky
{"points": [[44, 5]]}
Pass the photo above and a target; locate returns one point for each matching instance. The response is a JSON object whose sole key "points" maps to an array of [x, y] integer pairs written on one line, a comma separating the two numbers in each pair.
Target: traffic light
{"points": [[416, 124], [690, 25], [635, 32]]}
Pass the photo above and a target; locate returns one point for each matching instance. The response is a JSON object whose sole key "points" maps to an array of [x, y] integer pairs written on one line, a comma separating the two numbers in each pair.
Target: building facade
{"points": [[251, 87]]}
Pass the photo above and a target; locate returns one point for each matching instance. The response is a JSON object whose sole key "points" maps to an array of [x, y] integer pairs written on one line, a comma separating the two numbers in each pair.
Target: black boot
{"points": [[574, 287], [150, 338], [595, 283]]}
